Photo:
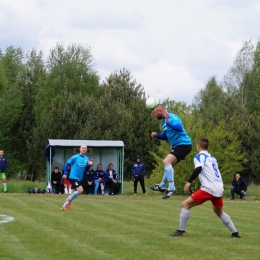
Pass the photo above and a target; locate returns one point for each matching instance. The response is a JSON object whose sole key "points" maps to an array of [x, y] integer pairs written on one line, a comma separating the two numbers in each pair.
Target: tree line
{"points": [[63, 97]]}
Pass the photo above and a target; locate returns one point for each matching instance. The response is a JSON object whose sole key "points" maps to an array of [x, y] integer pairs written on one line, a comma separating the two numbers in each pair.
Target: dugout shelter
{"points": [[58, 151]]}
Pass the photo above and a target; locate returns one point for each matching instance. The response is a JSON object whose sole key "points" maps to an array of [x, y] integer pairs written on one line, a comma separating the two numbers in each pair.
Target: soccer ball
{"points": [[151, 103]]}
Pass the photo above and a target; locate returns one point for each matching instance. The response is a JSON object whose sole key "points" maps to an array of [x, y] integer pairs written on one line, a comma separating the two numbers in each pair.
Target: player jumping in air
{"points": [[174, 132]]}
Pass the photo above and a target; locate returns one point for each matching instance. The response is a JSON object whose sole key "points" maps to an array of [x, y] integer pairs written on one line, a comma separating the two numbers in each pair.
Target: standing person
{"points": [[138, 172], [78, 164], [206, 168], [239, 186], [3, 167], [174, 132]]}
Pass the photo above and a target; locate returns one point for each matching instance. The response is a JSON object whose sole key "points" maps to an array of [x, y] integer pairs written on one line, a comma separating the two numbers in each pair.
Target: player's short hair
{"points": [[160, 106], [203, 143]]}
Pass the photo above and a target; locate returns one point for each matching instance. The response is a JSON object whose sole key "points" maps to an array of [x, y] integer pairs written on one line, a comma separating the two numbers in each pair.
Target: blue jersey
{"points": [[176, 136], [79, 163]]}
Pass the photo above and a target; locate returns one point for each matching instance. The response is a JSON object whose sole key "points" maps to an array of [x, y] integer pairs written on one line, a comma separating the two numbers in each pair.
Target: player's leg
{"points": [[3, 178], [169, 160], [135, 184], [217, 205], [167, 175], [184, 216], [77, 190], [141, 180]]}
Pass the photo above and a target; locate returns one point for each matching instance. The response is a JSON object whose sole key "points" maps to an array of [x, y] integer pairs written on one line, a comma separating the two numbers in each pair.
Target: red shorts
{"points": [[201, 196], [66, 183]]}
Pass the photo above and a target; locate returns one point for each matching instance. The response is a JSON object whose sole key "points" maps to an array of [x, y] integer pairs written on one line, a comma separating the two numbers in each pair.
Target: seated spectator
{"points": [[111, 179], [88, 180], [56, 181], [239, 186], [99, 179], [66, 183]]}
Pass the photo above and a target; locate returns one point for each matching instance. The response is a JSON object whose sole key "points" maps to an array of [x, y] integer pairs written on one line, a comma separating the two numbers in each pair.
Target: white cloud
{"points": [[177, 44], [164, 80]]}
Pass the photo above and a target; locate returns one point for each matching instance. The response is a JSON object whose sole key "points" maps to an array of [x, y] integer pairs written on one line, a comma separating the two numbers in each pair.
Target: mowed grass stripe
{"points": [[122, 227]]}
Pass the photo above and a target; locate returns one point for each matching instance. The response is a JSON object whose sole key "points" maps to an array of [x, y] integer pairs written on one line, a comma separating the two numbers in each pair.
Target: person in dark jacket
{"points": [[239, 186], [138, 172], [3, 167], [111, 179], [88, 180], [99, 180], [56, 180]]}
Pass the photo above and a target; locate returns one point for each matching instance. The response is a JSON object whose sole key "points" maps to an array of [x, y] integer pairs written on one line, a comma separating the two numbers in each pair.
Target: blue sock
{"points": [[74, 195], [162, 184], [169, 171], [71, 197]]}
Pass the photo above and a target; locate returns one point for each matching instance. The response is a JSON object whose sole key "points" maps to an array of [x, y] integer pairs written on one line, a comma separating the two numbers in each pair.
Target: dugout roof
{"points": [[90, 143]]}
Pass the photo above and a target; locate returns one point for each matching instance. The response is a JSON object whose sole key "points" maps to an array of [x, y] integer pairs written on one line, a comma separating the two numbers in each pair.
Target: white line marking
{"points": [[5, 219]]}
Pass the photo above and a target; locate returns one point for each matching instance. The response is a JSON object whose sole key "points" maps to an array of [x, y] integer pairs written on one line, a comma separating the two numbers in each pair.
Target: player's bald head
{"points": [[83, 149], [160, 107]]}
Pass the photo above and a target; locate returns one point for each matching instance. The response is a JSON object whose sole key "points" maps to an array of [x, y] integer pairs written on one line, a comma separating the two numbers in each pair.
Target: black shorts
{"points": [[181, 151], [75, 183]]}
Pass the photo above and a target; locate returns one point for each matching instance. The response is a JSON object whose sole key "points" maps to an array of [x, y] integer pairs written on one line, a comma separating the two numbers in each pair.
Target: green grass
{"points": [[123, 227]]}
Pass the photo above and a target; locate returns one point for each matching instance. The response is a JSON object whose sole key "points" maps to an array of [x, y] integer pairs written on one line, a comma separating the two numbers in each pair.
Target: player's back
{"points": [[210, 176], [175, 137]]}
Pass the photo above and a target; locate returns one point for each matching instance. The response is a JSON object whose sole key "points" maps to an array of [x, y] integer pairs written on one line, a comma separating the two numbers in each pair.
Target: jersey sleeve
{"points": [[199, 160]]}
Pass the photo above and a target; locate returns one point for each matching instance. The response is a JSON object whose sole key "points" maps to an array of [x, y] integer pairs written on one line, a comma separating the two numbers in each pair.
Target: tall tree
{"points": [[13, 73], [70, 70], [209, 103]]}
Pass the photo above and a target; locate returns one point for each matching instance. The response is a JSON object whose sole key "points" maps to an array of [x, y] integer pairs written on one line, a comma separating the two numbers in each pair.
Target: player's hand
{"points": [[186, 187], [64, 177], [90, 162], [153, 134]]}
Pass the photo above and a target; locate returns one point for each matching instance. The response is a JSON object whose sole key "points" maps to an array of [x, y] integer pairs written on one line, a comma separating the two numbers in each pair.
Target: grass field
{"points": [[123, 227]]}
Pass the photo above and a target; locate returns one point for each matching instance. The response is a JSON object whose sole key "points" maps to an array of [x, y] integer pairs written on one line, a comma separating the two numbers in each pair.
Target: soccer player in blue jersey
{"points": [[174, 132], [79, 163]]}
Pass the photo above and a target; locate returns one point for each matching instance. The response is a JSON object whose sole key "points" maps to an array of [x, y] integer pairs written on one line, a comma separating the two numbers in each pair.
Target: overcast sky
{"points": [[172, 47]]}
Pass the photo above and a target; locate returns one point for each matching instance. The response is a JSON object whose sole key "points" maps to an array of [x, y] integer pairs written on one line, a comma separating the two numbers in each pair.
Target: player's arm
{"points": [[162, 136], [193, 176], [175, 126], [66, 170]]}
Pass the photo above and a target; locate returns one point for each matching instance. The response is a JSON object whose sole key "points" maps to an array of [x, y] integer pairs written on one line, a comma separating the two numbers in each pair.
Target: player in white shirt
{"points": [[206, 168]]}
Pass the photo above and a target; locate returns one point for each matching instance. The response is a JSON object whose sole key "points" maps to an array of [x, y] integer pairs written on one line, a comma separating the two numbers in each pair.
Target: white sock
{"points": [[184, 217], [69, 190], [228, 222]]}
